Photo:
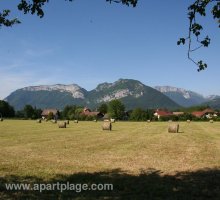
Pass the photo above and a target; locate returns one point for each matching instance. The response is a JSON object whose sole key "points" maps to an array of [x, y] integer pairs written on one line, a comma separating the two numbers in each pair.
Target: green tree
{"points": [[37, 113], [19, 114], [69, 112], [78, 112], [6, 110], [116, 109], [29, 112], [138, 115], [103, 108]]}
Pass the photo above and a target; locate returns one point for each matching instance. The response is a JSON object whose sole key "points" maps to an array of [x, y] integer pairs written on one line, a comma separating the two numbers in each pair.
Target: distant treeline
{"points": [[115, 109]]}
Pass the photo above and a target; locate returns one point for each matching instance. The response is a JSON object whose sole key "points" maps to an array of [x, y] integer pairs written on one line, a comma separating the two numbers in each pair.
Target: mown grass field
{"points": [[141, 159]]}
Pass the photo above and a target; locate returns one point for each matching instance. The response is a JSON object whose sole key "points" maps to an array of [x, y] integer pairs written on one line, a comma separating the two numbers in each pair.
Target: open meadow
{"points": [[142, 160]]}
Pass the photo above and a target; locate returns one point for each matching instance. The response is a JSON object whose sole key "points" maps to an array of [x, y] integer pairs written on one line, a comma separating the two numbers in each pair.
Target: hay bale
{"points": [[38, 120], [148, 121], [170, 120], [95, 120], [211, 121], [173, 128], [1, 119], [107, 125], [76, 121], [188, 121], [67, 121], [62, 124], [112, 120]]}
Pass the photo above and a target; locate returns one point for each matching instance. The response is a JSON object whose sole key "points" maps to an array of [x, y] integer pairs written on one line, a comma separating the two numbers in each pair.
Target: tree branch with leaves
{"points": [[199, 8]]}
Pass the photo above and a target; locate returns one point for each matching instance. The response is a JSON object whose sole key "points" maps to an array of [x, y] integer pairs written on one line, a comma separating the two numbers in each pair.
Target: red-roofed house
{"points": [[198, 114], [162, 113], [208, 113]]}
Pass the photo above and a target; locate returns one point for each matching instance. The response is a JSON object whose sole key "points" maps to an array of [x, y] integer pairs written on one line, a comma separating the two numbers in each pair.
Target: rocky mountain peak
{"points": [[75, 90]]}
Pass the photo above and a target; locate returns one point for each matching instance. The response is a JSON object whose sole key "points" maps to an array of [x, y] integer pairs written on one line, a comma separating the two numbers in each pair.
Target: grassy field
{"points": [[142, 160]]}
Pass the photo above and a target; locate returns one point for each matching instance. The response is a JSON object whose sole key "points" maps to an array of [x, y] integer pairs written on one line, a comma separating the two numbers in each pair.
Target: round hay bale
{"points": [[170, 120], [62, 124], [211, 121], [95, 120], [76, 121], [112, 120], [67, 121], [148, 121], [1, 119], [173, 128], [188, 121], [107, 125], [39, 121]]}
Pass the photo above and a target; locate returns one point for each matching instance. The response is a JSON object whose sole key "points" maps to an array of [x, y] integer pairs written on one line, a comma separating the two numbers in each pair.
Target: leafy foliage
{"points": [[103, 108], [116, 109], [199, 8], [139, 114], [126, 2], [30, 113], [6, 110], [71, 112], [36, 7], [4, 21]]}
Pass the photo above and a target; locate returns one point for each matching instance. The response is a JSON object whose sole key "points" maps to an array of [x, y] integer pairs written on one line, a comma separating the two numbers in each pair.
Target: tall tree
{"points": [[103, 108], [6, 110], [116, 109], [29, 112], [138, 115]]}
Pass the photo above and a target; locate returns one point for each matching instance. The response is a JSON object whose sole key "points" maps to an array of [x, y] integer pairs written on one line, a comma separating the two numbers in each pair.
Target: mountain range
{"points": [[132, 93]]}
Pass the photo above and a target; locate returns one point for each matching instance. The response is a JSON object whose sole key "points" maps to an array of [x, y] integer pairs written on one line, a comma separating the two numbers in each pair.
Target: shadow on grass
{"points": [[150, 184]]}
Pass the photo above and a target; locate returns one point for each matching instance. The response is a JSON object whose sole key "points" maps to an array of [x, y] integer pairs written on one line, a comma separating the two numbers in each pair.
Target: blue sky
{"points": [[89, 42]]}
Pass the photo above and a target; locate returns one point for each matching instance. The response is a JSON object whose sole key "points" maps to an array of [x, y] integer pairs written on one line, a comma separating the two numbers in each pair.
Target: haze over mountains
{"points": [[132, 93]]}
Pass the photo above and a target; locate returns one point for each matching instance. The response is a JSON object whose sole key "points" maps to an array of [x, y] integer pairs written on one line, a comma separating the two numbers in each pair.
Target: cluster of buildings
{"points": [[86, 111], [207, 113]]}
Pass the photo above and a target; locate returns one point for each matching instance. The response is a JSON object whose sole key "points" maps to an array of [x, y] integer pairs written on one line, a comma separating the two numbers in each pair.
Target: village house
{"points": [[207, 113], [46, 112], [178, 113], [162, 113], [88, 112]]}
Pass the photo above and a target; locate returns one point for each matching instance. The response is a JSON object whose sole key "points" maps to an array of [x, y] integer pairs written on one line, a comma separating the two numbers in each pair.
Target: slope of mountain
{"points": [[212, 97], [181, 96], [131, 92], [53, 96], [214, 103]]}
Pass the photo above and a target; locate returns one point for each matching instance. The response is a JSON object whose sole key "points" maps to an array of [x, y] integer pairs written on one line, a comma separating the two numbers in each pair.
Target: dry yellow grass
{"points": [[45, 151]]}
